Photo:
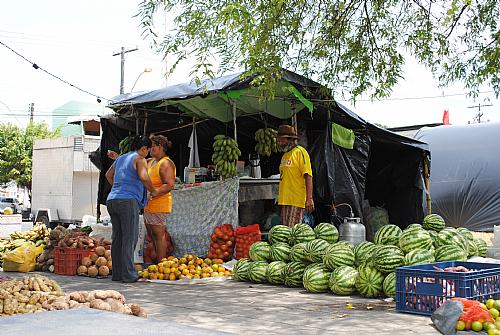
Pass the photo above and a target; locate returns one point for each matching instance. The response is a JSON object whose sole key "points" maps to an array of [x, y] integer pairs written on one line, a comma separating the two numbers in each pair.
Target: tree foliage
{"points": [[355, 46], [16, 151]]}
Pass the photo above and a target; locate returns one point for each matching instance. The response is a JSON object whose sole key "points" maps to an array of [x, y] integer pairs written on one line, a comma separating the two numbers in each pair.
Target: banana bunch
{"points": [[38, 233], [266, 141], [124, 145], [226, 152]]}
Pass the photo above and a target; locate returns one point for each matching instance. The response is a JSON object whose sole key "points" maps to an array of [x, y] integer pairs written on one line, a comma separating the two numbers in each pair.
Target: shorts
{"points": [[155, 219]]}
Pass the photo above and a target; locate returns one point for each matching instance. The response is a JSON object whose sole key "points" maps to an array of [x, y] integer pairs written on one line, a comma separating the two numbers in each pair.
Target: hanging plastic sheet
{"points": [[465, 178]]}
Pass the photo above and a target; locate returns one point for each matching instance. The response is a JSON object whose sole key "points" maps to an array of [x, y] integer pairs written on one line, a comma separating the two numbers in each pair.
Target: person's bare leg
{"points": [[160, 241]]}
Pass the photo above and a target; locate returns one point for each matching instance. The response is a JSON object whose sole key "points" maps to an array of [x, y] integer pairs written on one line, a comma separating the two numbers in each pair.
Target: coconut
{"points": [[101, 261], [82, 270], [86, 261], [107, 254], [94, 257], [103, 270], [100, 251], [92, 271]]}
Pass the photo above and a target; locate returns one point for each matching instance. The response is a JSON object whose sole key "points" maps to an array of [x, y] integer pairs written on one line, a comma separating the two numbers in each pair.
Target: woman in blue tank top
{"points": [[129, 179]]}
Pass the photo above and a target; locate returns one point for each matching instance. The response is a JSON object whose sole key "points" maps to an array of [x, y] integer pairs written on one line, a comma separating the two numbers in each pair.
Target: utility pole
{"points": [[122, 56], [479, 114], [32, 111]]}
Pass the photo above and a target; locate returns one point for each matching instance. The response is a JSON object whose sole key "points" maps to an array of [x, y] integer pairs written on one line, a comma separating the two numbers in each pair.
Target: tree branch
{"points": [[456, 20]]}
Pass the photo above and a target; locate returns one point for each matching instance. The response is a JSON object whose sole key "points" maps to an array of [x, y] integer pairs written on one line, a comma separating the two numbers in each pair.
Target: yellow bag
{"points": [[23, 258]]}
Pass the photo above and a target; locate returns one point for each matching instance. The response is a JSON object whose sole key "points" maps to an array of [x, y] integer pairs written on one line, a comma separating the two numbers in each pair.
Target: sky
{"points": [[75, 40]]}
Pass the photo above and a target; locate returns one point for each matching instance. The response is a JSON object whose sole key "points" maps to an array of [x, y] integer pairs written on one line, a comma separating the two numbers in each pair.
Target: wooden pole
{"points": [[234, 121], [427, 181]]}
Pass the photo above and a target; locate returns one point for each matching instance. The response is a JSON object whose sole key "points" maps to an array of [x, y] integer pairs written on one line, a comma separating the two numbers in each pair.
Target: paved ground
{"points": [[244, 308]]}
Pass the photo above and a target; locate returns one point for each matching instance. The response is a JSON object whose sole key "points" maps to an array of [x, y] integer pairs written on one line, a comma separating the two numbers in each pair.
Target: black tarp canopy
{"points": [[382, 167], [465, 178]]}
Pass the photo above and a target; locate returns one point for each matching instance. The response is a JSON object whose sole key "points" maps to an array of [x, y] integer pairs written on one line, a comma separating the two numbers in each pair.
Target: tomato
{"points": [[229, 243]]}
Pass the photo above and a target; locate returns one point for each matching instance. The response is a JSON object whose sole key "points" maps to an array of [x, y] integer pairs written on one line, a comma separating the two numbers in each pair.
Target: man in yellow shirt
{"points": [[295, 189]]}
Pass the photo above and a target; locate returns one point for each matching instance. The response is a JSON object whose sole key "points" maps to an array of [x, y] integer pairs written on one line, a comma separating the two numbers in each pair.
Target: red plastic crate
{"points": [[67, 260]]}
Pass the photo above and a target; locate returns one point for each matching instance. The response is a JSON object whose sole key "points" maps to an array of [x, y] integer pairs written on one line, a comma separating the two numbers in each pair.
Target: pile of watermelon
{"points": [[316, 260]]}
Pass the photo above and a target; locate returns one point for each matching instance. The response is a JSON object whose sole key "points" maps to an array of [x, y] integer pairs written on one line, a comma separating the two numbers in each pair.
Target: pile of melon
{"points": [[99, 263]]}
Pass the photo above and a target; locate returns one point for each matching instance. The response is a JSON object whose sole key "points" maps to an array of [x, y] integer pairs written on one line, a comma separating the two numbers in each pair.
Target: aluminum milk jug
{"points": [[352, 230]]}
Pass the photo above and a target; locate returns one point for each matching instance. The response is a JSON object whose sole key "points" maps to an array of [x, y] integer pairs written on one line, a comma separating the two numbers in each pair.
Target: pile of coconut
{"points": [[99, 263]]}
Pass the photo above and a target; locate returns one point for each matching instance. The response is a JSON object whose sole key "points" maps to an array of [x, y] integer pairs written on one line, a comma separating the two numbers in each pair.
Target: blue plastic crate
{"points": [[420, 289]]}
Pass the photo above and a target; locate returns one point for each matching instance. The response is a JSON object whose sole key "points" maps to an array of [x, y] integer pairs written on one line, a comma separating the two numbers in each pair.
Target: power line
{"points": [[36, 67]]}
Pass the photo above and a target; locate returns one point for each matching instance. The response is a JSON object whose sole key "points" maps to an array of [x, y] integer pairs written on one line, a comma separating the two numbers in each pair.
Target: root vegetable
{"points": [[94, 257], [109, 264], [107, 254], [100, 304], [138, 310]]}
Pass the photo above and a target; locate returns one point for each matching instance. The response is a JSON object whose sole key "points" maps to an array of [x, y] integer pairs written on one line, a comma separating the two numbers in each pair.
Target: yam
{"points": [[94, 257], [92, 271], [101, 261], [82, 270], [99, 304], [138, 310], [107, 254], [100, 251], [86, 261], [103, 270]]}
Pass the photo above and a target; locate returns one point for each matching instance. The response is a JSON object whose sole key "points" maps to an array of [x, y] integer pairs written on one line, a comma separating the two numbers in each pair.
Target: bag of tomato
{"points": [[245, 237], [222, 242]]}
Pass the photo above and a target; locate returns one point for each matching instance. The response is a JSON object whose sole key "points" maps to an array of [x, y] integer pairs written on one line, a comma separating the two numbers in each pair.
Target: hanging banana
{"points": [[226, 152], [266, 141]]}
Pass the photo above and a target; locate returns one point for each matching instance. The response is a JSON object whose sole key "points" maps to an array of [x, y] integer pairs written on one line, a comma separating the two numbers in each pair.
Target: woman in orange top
{"points": [[161, 170]]}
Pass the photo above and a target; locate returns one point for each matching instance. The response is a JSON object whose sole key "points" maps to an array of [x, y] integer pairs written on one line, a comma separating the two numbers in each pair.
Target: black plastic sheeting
{"points": [[465, 174]]}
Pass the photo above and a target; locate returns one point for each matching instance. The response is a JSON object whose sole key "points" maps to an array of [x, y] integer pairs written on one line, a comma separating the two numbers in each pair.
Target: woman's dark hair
{"points": [[140, 141], [161, 141]]}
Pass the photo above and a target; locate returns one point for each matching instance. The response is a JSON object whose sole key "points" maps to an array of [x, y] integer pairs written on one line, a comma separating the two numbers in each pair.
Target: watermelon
{"points": [[413, 226], [419, 256], [339, 254], [294, 271], [342, 280], [387, 235], [259, 251], [298, 253], [387, 258], [301, 233], [275, 273], [389, 285], [257, 271], [279, 233], [315, 250], [316, 278], [240, 269], [450, 253], [434, 222], [327, 231], [451, 236], [369, 282], [280, 251], [466, 233], [363, 252], [481, 246], [472, 249], [415, 239]]}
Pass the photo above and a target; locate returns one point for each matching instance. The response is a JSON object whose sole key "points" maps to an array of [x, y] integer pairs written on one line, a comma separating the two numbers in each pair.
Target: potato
{"points": [[86, 261], [100, 251], [101, 261], [103, 270], [107, 254], [82, 270], [92, 271]]}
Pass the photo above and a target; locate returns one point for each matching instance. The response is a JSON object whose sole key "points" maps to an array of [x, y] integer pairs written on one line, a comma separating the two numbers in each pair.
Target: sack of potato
{"points": [[98, 264]]}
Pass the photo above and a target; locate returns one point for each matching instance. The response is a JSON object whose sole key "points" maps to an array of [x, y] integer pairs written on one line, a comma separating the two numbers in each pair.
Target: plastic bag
{"points": [[222, 242], [23, 258]]}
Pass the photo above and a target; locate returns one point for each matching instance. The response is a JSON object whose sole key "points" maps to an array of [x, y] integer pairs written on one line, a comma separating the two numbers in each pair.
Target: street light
{"points": [[146, 69]]}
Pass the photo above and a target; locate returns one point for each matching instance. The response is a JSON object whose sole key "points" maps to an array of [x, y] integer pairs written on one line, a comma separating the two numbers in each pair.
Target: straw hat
{"points": [[287, 131]]}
